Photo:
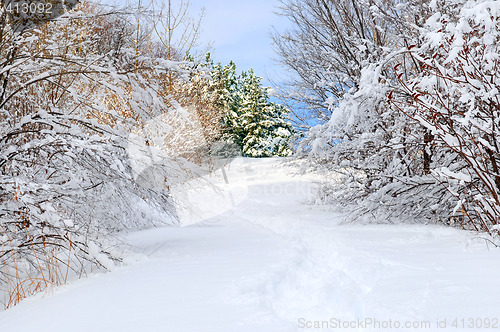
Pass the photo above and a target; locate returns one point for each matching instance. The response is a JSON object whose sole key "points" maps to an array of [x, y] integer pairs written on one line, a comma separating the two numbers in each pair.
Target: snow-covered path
{"points": [[263, 260]]}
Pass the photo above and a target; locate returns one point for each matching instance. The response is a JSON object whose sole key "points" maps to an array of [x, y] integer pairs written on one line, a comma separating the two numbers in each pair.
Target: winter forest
{"points": [[364, 188]]}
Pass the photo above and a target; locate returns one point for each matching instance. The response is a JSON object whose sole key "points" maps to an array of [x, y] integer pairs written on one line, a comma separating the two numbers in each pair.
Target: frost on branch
{"points": [[71, 92], [456, 97], [419, 136]]}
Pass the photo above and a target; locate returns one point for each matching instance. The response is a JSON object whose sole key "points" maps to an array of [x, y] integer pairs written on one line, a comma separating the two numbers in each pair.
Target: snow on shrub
{"points": [[71, 93], [417, 137], [455, 95]]}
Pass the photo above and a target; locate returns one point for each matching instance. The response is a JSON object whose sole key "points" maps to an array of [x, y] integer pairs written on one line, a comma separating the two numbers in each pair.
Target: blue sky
{"points": [[239, 31]]}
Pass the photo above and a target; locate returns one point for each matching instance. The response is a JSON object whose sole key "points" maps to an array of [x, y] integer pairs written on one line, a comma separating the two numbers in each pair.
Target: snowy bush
{"points": [[71, 93], [415, 132], [455, 96], [378, 155]]}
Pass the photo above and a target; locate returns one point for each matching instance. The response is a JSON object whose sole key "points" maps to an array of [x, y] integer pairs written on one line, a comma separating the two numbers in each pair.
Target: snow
{"points": [[454, 175], [265, 260]]}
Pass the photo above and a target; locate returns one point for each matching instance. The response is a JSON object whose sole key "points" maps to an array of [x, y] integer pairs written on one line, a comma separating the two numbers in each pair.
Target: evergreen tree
{"points": [[248, 121], [259, 125], [225, 87]]}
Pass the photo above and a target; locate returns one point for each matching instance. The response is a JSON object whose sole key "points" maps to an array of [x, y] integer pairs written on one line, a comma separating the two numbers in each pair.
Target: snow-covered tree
{"points": [[373, 145], [259, 125], [238, 110], [71, 92], [326, 47], [416, 134]]}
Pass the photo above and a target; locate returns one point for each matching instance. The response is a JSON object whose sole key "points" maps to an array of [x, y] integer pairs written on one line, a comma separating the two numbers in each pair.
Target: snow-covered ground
{"points": [[256, 257]]}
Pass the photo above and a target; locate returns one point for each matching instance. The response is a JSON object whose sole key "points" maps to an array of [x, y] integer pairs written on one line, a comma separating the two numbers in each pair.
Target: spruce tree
{"points": [[250, 122], [260, 124]]}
